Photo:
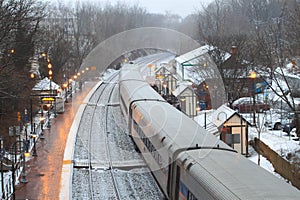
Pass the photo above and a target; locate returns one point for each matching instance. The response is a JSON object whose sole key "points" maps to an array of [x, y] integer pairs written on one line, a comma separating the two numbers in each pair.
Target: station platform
{"points": [[44, 171]]}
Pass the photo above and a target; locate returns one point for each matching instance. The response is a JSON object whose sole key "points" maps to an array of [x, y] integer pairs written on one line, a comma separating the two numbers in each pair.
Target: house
{"points": [[236, 76]]}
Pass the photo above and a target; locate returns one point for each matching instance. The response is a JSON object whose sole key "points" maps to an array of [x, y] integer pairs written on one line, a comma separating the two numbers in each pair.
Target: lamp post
{"points": [[48, 114], [34, 142], [26, 154], [2, 177], [42, 121], [70, 87], [253, 76]]}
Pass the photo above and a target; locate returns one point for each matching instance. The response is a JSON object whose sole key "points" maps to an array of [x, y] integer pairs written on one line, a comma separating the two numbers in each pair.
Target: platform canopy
{"points": [[44, 85]]}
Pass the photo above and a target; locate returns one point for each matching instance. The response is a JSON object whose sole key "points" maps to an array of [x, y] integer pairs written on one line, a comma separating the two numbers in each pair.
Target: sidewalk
{"points": [[44, 171]]}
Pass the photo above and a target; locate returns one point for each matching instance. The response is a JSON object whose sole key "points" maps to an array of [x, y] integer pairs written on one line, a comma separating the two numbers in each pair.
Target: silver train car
{"points": [[187, 161]]}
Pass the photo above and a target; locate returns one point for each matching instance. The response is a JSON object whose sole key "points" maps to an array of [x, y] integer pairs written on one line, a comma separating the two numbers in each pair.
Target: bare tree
{"points": [[19, 22]]}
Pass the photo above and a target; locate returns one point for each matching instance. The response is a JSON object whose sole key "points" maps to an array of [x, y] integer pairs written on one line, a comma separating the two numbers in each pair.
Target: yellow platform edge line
{"points": [[67, 162]]}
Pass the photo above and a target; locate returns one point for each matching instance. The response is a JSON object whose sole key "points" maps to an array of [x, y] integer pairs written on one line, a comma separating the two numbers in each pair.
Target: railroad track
{"points": [[104, 155], [86, 157], [108, 150]]}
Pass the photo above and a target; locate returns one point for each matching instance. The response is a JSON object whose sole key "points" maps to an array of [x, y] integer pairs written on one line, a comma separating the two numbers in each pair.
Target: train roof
{"points": [[162, 119], [179, 131], [233, 176], [132, 82]]}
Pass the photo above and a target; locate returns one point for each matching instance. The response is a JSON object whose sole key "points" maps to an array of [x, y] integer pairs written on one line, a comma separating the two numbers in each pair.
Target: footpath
{"points": [[44, 170]]}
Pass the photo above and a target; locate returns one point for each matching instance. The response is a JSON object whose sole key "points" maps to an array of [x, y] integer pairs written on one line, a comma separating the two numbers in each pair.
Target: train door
{"points": [[177, 180], [169, 181]]}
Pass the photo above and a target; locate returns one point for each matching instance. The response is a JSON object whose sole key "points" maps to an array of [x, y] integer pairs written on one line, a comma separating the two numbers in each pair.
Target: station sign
{"points": [[47, 99], [160, 76]]}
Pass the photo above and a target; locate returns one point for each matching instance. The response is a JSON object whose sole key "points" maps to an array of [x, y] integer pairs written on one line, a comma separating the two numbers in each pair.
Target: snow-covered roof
{"points": [[162, 67], [189, 56], [181, 88], [44, 84], [215, 119], [221, 115], [197, 66]]}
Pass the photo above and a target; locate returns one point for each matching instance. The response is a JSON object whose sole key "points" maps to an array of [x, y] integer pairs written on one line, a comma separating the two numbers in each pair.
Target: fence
{"points": [[288, 170], [8, 187]]}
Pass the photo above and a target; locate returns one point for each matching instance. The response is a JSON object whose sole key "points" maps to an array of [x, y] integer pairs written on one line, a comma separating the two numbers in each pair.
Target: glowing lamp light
{"points": [[49, 66], [42, 119], [26, 154], [65, 85], [253, 74], [32, 75]]}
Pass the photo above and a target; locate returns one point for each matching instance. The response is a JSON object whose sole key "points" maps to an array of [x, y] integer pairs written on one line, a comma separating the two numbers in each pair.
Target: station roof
{"points": [[188, 58], [44, 84], [224, 114], [181, 88]]}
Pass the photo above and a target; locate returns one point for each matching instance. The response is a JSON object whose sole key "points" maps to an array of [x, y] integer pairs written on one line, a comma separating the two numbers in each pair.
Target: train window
{"points": [[192, 197], [184, 192]]}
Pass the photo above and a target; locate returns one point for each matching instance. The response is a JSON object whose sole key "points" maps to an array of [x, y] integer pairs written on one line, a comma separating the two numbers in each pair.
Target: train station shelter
{"points": [[198, 67], [233, 128], [45, 86], [227, 124], [48, 92], [165, 78], [188, 99]]}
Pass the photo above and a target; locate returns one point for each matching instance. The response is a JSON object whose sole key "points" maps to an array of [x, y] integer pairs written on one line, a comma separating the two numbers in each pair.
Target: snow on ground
{"points": [[277, 140]]}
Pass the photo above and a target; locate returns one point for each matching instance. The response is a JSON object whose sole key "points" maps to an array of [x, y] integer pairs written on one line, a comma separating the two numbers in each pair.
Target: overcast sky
{"points": [[181, 7]]}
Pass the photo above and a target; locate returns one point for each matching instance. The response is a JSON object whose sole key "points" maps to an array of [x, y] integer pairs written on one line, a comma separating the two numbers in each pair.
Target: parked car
{"points": [[288, 127], [246, 104], [277, 119]]}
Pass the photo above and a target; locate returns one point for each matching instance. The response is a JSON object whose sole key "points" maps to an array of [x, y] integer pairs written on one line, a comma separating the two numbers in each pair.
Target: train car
{"points": [[186, 160]]}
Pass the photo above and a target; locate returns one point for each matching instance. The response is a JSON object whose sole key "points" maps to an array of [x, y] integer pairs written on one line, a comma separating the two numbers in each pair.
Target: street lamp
{"points": [[70, 81], [42, 120], [34, 143], [48, 114], [253, 76], [50, 75], [2, 177], [26, 154]]}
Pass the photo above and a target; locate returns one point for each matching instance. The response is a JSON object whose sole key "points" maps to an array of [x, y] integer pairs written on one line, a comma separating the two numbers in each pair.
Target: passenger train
{"points": [[186, 160]]}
